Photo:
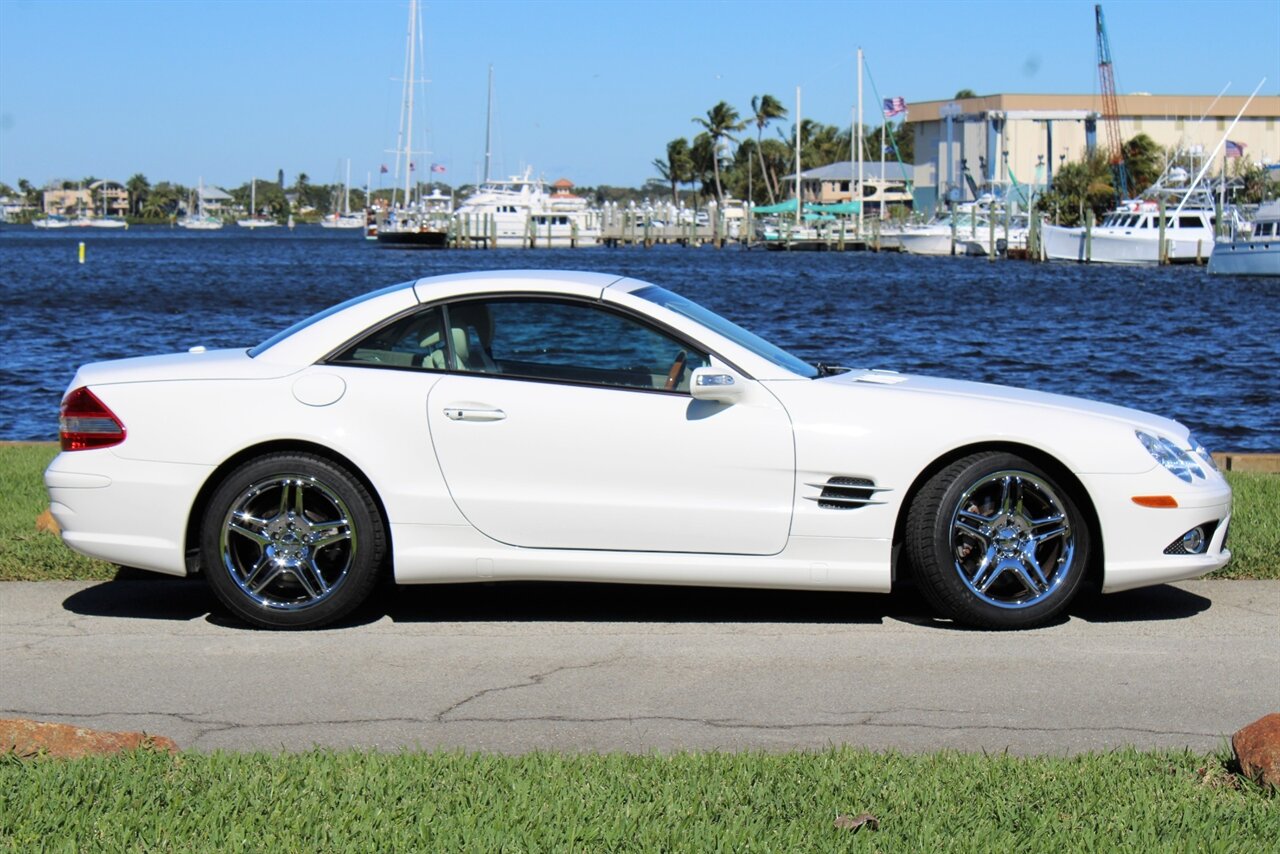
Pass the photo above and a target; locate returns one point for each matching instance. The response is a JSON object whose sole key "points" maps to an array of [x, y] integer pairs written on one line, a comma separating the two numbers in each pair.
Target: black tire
{"points": [[292, 541], [995, 542]]}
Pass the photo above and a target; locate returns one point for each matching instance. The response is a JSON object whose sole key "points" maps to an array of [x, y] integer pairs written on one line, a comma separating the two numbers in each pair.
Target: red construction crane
{"points": [[1110, 108]]}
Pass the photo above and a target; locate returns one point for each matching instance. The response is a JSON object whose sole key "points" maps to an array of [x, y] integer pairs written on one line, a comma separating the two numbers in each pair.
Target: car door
{"points": [[567, 424]]}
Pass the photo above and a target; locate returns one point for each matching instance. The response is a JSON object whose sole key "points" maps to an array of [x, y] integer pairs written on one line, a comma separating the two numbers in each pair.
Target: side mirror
{"points": [[719, 384]]}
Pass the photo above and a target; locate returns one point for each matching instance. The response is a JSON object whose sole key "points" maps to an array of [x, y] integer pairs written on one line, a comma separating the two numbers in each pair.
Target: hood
{"points": [[912, 384]]}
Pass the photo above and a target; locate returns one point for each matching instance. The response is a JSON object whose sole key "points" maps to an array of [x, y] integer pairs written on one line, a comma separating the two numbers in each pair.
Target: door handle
{"points": [[454, 413]]}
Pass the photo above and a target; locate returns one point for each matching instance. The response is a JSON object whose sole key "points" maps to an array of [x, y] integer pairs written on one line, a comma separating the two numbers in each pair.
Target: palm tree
{"points": [[764, 109], [721, 123], [138, 187]]}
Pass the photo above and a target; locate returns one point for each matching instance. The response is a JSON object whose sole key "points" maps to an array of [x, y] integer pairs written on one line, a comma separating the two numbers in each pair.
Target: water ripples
{"points": [[1173, 341]]}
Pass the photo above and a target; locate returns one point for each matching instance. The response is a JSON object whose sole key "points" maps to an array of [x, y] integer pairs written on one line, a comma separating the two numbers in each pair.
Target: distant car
{"points": [[578, 426]]}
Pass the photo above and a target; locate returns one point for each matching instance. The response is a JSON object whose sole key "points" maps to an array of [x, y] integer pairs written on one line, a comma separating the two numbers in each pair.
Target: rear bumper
{"points": [[128, 512]]}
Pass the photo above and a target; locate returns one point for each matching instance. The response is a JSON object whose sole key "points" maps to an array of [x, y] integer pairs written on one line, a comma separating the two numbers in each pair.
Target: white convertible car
{"points": [[579, 426]]}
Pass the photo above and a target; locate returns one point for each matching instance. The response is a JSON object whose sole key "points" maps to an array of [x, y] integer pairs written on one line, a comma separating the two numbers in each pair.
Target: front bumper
{"points": [[1134, 538]]}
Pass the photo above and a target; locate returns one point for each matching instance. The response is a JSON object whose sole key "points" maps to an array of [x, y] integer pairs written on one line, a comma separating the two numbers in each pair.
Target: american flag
{"points": [[894, 106], [1235, 149], [383, 169], [436, 167]]}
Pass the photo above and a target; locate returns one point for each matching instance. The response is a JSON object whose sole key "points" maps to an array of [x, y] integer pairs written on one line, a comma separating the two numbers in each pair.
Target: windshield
{"points": [[732, 331]]}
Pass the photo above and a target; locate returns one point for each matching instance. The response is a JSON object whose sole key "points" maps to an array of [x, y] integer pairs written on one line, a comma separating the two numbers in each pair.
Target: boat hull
{"points": [[1246, 258], [413, 239], [1124, 247]]}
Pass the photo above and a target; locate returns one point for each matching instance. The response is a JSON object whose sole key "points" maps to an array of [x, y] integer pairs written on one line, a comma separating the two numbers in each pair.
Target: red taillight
{"points": [[85, 422]]}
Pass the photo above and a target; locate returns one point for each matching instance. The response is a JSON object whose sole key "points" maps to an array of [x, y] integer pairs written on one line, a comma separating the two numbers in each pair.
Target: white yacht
{"points": [[1253, 249], [519, 212]]}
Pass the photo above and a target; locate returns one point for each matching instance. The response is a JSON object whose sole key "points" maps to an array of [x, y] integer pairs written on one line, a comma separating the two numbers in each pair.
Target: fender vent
{"points": [[846, 493]]}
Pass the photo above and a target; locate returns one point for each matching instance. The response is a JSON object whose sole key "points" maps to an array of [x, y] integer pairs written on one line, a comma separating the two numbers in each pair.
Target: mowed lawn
{"points": [[378, 802]]}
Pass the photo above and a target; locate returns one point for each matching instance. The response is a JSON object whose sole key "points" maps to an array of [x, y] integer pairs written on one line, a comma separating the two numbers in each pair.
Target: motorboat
{"points": [[1131, 233], [1253, 249]]}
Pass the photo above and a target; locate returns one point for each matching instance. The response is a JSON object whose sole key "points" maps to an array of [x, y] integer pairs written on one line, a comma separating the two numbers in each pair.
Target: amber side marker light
{"points": [[1155, 501]]}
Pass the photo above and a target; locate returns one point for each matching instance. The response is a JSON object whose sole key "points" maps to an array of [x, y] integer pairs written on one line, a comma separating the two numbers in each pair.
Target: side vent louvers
{"points": [[846, 493]]}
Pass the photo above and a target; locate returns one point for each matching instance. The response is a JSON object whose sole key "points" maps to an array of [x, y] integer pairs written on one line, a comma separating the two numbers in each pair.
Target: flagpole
{"points": [[883, 123]]}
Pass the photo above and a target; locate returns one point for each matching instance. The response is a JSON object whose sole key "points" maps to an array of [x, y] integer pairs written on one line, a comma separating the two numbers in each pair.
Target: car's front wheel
{"points": [[996, 542], [292, 541]]}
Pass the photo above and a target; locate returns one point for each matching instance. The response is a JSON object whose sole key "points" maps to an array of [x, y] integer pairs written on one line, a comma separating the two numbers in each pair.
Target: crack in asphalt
{"points": [[206, 727], [529, 682]]}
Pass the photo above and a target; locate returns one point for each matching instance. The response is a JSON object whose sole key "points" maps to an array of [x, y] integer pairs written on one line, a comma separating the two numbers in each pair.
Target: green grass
{"points": [[28, 555], [1254, 538], [359, 801], [25, 553]]}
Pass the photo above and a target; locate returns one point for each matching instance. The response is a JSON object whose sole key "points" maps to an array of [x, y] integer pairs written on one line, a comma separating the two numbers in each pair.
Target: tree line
{"points": [[719, 161], [1090, 184]]}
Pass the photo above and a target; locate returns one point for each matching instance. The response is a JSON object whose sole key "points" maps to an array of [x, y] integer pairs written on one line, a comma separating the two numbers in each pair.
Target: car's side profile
{"points": [[579, 426]]}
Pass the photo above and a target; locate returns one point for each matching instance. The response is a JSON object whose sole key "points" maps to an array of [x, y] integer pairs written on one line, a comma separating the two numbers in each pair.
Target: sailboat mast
{"points": [[408, 137], [488, 128], [797, 155], [861, 194], [346, 199]]}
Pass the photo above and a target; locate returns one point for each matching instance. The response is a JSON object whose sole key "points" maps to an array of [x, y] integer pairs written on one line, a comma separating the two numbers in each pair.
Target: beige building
{"points": [[110, 195], [1003, 138]]}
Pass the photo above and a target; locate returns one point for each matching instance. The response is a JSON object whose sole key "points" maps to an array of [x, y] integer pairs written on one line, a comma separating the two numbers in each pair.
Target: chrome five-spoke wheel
{"points": [[292, 541], [1012, 539], [287, 541], [996, 542]]}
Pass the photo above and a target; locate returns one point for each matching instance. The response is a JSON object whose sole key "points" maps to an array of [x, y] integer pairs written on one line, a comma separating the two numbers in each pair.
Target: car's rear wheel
{"points": [[292, 541], [997, 542]]}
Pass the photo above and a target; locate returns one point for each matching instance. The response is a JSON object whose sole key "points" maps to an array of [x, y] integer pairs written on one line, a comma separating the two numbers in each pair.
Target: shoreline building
{"points": [[965, 143], [883, 185]]}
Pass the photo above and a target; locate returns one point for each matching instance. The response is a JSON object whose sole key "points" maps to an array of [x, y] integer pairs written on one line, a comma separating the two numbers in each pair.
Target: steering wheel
{"points": [[677, 368]]}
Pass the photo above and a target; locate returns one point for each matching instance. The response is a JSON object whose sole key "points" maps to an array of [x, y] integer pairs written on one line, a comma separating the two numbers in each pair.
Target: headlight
{"points": [[1202, 452], [1173, 458]]}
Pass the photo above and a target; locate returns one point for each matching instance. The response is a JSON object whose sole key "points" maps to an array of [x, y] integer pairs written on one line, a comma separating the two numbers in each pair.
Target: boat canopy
{"points": [[836, 208], [789, 206]]}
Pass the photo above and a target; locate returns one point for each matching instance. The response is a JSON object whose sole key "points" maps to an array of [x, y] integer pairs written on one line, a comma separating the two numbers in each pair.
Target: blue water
{"points": [[1175, 341]]}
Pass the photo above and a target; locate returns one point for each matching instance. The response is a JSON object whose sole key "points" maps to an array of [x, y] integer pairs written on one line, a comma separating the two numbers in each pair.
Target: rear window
{"points": [[328, 312]]}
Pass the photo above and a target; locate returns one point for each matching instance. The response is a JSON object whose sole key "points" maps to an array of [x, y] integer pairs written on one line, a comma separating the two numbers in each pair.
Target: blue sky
{"points": [[182, 89]]}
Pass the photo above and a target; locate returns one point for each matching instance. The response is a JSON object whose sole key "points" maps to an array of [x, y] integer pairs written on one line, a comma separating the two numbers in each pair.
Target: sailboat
{"points": [[106, 220], [199, 220], [411, 226], [254, 220], [345, 219]]}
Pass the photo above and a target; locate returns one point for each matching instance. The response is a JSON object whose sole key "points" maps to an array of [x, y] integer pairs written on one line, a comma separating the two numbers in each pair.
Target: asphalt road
{"points": [[612, 668]]}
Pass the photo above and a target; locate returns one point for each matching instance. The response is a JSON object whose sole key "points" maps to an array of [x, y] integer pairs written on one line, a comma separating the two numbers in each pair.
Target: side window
{"points": [[565, 341], [411, 342]]}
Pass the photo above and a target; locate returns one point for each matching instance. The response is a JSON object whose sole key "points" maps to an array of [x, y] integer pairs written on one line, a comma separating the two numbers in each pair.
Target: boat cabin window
{"points": [[1190, 222]]}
